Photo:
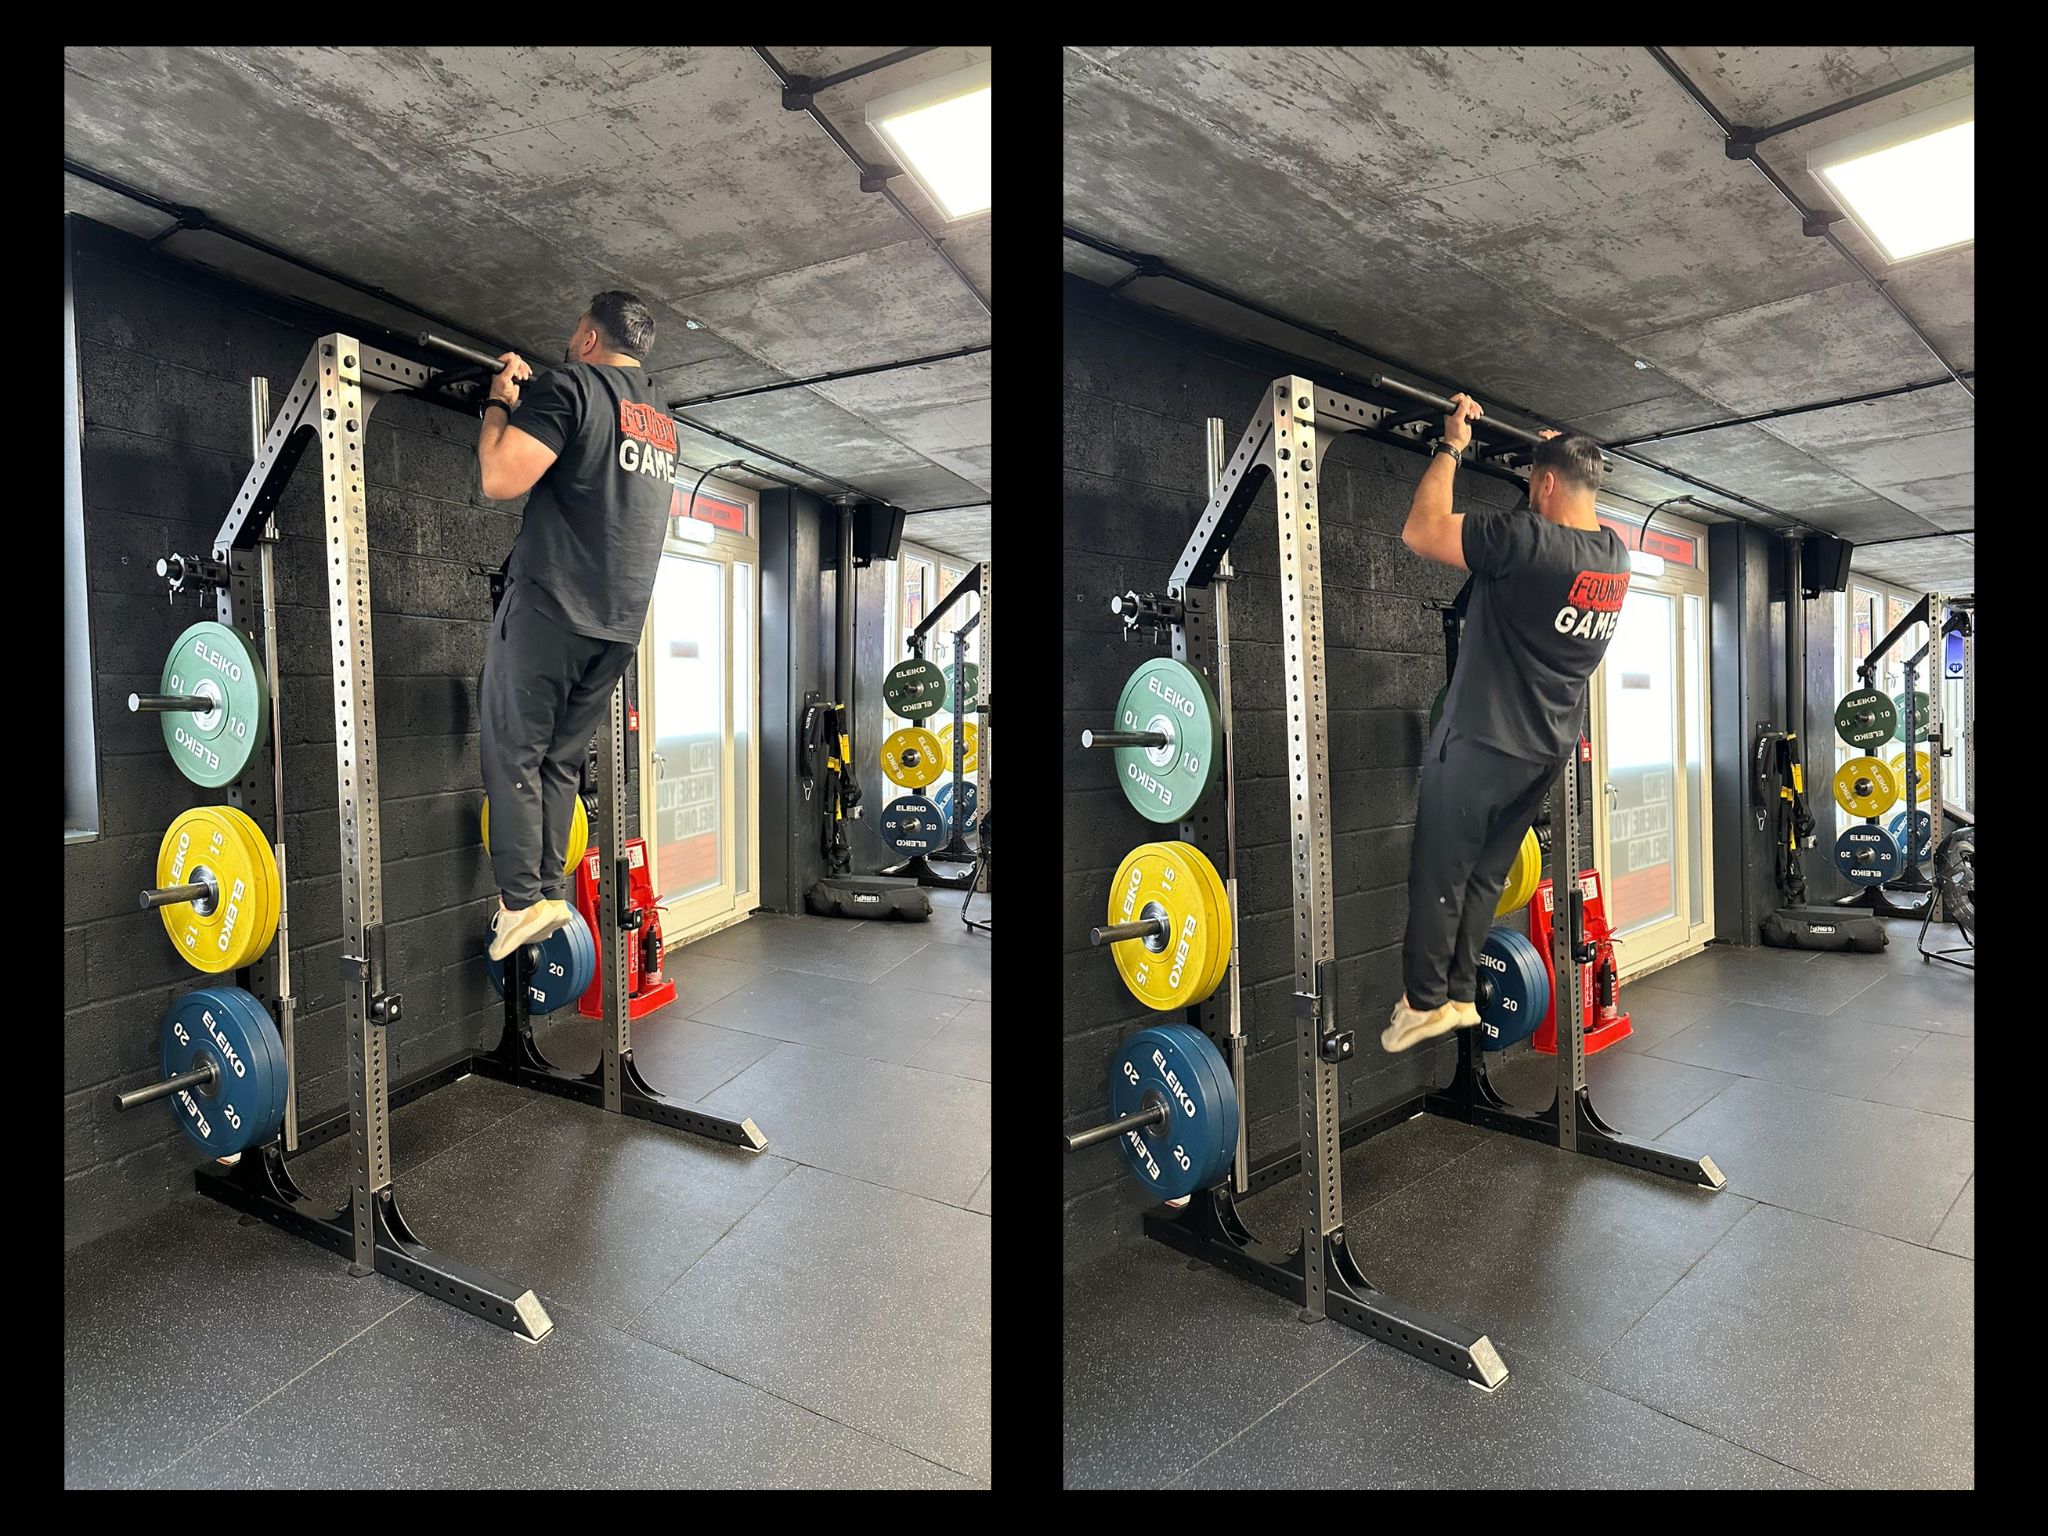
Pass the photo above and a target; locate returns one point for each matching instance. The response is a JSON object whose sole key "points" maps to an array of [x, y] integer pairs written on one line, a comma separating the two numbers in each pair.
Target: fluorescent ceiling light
{"points": [[940, 131], [1911, 186]]}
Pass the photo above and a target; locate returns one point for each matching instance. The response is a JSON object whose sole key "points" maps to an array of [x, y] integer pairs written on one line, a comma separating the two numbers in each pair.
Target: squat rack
{"points": [[1320, 1273], [330, 402], [1944, 614]]}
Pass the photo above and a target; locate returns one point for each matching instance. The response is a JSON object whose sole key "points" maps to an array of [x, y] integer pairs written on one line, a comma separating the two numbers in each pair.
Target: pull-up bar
{"points": [[1438, 402]]}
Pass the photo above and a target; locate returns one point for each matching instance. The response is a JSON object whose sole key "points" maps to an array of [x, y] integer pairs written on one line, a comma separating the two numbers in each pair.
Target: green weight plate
{"points": [[913, 689], [214, 661], [1865, 717], [1165, 783], [972, 680], [1919, 717]]}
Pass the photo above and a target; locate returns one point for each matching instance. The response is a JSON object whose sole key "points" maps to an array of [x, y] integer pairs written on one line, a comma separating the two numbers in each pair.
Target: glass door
{"points": [[699, 679], [1650, 727]]}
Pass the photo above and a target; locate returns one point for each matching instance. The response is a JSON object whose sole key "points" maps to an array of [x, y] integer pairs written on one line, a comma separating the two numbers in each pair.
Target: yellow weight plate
{"points": [[238, 924], [1865, 787], [973, 735], [1524, 875], [1924, 790], [1221, 889], [268, 897], [913, 757], [579, 833], [1167, 880]]}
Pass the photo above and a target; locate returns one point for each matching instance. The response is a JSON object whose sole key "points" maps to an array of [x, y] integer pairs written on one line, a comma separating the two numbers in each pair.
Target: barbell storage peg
{"points": [[1117, 933], [1147, 739], [1154, 1115]]}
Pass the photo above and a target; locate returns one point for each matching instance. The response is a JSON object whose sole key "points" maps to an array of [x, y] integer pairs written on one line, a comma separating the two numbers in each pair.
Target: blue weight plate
{"points": [[1216, 1068], [970, 792], [586, 951], [256, 1018], [1866, 855], [1176, 1159], [1923, 828], [912, 824], [554, 974], [1521, 988], [207, 1025]]}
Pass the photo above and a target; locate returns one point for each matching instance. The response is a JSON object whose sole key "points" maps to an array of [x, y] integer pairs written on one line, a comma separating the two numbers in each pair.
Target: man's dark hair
{"points": [[626, 323], [1575, 457]]}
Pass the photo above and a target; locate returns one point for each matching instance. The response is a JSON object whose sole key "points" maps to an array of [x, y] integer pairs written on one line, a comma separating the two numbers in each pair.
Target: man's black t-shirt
{"points": [[1545, 602], [591, 543]]}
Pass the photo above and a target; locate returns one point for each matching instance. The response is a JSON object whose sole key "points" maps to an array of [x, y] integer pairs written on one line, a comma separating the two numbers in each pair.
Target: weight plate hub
{"points": [[971, 734], [1866, 855], [1176, 884], [229, 1028], [914, 689], [970, 679], [1866, 787], [1514, 988], [912, 824], [1523, 878], [913, 757], [579, 832], [1866, 717], [970, 796], [1923, 828], [232, 927], [215, 662], [1164, 783], [562, 971], [1918, 718], [1178, 1068]]}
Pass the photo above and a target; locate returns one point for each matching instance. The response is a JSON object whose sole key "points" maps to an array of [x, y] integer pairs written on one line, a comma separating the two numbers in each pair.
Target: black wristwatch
{"points": [[494, 400], [1444, 447]]}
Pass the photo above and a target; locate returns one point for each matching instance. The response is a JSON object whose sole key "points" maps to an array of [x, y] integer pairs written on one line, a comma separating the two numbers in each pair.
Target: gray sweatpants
{"points": [[1476, 804], [545, 691]]}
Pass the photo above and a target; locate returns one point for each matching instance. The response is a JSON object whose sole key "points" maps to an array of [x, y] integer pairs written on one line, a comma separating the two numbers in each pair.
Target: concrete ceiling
{"points": [[504, 186], [1559, 228]]}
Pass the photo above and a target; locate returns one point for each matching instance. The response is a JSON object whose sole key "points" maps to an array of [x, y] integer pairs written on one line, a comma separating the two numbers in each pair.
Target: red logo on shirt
{"points": [[1600, 590], [656, 428]]}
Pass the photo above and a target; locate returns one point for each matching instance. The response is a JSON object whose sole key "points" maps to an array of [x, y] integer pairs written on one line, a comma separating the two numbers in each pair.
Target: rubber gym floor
{"points": [[1810, 1325], [815, 1315]]}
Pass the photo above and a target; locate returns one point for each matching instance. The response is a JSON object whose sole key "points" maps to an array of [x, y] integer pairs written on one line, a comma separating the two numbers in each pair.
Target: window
{"points": [[81, 750]]}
